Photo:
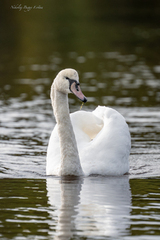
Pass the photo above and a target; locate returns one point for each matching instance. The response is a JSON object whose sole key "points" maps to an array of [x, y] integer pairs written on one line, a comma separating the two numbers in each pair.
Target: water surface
{"points": [[90, 208]]}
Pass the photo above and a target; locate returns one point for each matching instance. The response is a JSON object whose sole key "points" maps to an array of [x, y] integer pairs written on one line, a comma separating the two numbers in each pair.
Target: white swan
{"points": [[85, 143]]}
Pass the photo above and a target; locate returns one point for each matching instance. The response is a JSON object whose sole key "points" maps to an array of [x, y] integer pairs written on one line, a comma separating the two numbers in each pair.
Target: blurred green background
{"points": [[114, 45]]}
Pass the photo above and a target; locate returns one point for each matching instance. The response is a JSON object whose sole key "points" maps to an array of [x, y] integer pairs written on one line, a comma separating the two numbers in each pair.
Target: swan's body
{"points": [[85, 143]]}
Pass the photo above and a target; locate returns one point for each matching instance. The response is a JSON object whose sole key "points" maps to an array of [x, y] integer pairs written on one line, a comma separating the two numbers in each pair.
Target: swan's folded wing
{"points": [[86, 123], [108, 152]]}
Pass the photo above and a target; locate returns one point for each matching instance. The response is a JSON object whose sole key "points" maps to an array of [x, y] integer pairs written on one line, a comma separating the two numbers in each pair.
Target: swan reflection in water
{"points": [[92, 207]]}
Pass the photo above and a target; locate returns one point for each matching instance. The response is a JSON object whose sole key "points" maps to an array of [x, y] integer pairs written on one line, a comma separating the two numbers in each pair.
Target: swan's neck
{"points": [[70, 163]]}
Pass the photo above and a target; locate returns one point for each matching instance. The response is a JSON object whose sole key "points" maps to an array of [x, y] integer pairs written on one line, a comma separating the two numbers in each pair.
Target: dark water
{"points": [[115, 48], [91, 208]]}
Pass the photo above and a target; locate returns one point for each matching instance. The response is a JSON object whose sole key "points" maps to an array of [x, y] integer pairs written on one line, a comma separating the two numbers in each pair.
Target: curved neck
{"points": [[70, 163]]}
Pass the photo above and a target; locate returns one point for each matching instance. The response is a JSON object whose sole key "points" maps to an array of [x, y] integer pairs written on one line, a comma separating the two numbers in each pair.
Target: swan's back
{"points": [[103, 141], [108, 152]]}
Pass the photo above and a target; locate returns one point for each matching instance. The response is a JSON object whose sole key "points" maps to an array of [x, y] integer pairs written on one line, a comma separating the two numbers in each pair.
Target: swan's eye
{"points": [[77, 84], [73, 83]]}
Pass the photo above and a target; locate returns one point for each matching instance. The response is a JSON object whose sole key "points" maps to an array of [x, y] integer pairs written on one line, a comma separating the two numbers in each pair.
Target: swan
{"points": [[85, 143]]}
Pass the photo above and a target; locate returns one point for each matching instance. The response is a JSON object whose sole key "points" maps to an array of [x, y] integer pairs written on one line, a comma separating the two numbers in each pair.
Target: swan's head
{"points": [[67, 81]]}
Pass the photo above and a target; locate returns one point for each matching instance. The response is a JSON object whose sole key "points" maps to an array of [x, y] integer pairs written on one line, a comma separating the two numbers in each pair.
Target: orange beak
{"points": [[76, 90]]}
